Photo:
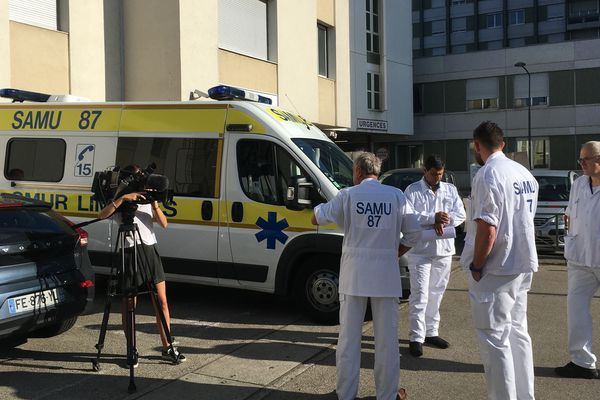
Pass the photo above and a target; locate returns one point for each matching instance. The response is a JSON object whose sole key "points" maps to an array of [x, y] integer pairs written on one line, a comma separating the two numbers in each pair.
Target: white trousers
{"points": [[499, 305], [583, 284], [387, 356], [428, 281]]}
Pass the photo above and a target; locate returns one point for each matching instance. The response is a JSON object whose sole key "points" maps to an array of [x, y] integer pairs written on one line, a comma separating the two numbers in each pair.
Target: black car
{"points": [[402, 177], [46, 279]]}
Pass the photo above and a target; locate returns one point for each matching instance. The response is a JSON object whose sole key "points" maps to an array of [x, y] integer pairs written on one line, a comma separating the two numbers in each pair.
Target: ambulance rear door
{"points": [[52, 151]]}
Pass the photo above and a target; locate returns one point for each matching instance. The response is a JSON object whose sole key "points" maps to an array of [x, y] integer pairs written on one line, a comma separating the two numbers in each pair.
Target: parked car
{"points": [[402, 177], [553, 198], [46, 278]]}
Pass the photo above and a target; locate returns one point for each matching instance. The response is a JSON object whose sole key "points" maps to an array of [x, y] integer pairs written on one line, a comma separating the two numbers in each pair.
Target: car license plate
{"points": [[34, 301]]}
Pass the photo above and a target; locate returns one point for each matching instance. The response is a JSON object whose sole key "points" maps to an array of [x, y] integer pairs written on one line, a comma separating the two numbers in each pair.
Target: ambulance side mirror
{"points": [[298, 193]]}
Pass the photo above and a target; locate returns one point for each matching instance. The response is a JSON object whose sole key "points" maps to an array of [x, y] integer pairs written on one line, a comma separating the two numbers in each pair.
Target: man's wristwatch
{"points": [[472, 268]]}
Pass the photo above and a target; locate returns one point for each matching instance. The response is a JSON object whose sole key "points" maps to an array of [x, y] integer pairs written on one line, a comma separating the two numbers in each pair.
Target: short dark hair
{"points": [[489, 135], [434, 161]]}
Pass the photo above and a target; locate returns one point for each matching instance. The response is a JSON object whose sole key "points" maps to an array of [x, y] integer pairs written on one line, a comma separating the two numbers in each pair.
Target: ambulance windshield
{"points": [[329, 158]]}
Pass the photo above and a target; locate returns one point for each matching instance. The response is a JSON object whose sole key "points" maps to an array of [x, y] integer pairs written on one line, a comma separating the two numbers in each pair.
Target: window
{"points": [[243, 27], [438, 51], [584, 34], [417, 99], [517, 42], [264, 169], [372, 26], [42, 13], [583, 8], [459, 49], [494, 45], [481, 104], [494, 20], [373, 91], [459, 24], [31, 159], [553, 188], [458, 2], [541, 150], [190, 164], [482, 93], [438, 3], [323, 51], [555, 12], [539, 90], [438, 27], [516, 17], [329, 158]]}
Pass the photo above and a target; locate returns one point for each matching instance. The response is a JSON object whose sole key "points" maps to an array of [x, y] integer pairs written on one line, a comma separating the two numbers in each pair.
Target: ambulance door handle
{"points": [[207, 210], [237, 211]]}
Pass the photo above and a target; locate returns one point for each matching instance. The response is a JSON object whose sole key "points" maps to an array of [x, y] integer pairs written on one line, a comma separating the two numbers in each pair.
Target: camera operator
{"points": [[148, 259]]}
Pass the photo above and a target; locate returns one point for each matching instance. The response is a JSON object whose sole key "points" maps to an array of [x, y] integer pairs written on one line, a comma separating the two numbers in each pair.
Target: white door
{"points": [[260, 226]]}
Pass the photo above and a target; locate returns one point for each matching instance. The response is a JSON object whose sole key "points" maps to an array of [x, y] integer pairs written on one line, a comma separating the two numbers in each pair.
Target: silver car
{"points": [[553, 198]]}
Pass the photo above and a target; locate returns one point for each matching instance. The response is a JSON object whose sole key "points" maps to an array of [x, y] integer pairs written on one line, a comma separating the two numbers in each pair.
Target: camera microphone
{"points": [[159, 183]]}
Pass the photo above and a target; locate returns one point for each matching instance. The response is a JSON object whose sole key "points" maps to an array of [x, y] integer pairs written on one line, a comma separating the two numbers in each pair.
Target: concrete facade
{"points": [[150, 50], [378, 128], [557, 40]]}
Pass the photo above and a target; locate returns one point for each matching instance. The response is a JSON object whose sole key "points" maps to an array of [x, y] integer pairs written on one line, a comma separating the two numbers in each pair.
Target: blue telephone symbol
{"points": [[88, 148]]}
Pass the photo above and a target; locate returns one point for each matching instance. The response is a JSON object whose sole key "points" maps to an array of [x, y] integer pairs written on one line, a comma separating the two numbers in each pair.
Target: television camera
{"points": [[109, 185]]}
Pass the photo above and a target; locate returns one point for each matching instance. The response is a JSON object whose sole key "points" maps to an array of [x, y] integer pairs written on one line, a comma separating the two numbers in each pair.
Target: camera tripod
{"points": [[129, 292]]}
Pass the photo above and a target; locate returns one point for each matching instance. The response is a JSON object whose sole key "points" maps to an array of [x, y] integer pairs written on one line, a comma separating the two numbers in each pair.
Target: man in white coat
{"points": [[429, 262], [582, 251], [373, 217], [502, 257]]}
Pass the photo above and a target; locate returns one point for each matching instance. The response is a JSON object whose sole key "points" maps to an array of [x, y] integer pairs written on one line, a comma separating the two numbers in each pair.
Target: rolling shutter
{"points": [[42, 13], [539, 86], [483, 88], [243, 27]]}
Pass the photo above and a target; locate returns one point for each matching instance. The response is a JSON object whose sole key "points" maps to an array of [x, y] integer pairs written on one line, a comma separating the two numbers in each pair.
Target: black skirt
{"points": [[149, 268]]}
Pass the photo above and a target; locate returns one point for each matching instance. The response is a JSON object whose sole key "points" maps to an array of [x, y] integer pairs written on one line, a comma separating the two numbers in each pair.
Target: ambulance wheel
{"points": [[316, 287]]}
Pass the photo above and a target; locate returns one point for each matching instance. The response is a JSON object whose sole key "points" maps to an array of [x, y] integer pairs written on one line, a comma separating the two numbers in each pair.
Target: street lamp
{"points": [[521, 64]]}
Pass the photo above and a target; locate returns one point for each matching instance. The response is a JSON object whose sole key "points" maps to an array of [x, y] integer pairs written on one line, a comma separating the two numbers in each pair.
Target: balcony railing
{"points": [[582, 16]]}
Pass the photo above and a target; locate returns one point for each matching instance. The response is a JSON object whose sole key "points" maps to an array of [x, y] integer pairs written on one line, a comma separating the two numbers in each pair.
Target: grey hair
{"points": [[368, 163], [593, 146]]}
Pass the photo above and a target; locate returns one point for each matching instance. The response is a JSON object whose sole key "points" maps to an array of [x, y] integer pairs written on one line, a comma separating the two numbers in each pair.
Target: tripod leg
{"points": [[103, 327], [110, 292], [132, 354]]}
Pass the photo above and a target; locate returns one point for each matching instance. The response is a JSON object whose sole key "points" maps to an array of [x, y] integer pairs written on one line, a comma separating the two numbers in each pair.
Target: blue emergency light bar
{"points": [[223, 92], [23, 95]]}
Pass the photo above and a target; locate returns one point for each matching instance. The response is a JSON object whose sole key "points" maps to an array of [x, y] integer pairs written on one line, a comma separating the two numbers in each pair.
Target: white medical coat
{"points": [[504, 194], [373, 217], [582, 243], [427, 203]]}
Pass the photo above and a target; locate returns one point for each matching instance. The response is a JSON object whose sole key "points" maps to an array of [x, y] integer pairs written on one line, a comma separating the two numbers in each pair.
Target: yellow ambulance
{"points": [[244, 174]]}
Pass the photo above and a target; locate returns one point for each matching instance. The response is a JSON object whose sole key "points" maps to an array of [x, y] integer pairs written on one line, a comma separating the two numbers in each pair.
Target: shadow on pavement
{"points": [[115, 387]]}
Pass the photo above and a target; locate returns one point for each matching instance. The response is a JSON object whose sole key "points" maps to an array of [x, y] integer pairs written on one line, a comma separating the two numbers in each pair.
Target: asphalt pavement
{"points": [[247, 346]]}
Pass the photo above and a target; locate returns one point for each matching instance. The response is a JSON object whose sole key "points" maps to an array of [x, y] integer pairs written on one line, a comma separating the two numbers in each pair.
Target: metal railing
{"points": [[550, 236]]}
